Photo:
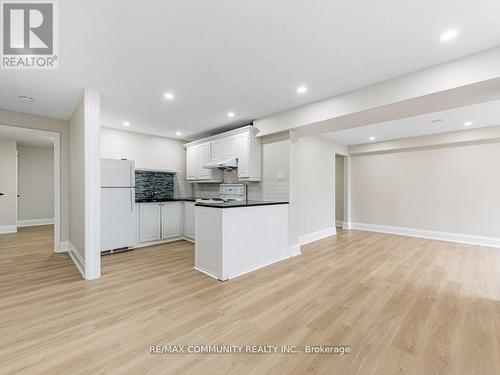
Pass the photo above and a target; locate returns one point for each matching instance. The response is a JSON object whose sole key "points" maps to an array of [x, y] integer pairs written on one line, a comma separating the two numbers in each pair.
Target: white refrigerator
{"points": [[118, 220]]}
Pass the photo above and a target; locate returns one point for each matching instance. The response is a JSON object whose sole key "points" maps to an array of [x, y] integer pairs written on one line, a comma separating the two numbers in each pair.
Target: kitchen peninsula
{"points": [[237, 237]]}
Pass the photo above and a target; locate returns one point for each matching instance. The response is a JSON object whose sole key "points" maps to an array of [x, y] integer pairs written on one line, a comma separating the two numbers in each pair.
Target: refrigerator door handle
{"points": [[131, 174], [132, 203]]}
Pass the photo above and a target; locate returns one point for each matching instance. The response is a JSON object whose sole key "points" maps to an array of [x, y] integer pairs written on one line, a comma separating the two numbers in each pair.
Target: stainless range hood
{"points": [[222, 164]]}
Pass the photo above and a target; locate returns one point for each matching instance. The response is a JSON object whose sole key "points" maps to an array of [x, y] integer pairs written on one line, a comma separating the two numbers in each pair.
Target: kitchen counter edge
{"points": [[239, 204], [188, 199]]}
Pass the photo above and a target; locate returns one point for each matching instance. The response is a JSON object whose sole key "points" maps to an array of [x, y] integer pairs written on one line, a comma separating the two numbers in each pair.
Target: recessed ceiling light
{"points": [[301, 90], [230, 114], [372, 138], [126, 123], [468, 123], [178, 133], [169, 96], [449, 35], [26, 98]]}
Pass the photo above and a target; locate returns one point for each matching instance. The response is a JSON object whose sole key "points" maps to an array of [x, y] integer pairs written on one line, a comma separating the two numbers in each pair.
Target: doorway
{"points": [[30, 180], [341, 191]]}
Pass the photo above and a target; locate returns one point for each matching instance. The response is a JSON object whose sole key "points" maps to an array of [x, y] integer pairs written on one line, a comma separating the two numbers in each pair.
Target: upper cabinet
{"points": [[225, 148], [240, 144], [196, 157], [249, 157]]}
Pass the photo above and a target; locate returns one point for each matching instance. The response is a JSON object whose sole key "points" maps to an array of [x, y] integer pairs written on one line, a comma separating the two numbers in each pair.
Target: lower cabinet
{"points": [[149, 222], [170, 220], [162, 221]]}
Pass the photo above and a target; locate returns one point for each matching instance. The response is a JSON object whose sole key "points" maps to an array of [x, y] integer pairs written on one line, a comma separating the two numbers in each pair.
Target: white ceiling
{"points": [[27, 139], [239, 55], [481, 115]]}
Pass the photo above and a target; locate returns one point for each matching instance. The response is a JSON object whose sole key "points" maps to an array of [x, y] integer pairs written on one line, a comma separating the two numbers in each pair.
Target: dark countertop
{"points": [[162, 200], [238, 204]]}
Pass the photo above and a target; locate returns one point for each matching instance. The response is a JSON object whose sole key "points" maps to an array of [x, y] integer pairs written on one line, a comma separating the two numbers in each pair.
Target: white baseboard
{"points": [[8, 229], [257, 267], [316, 236], [295, 250], [206, 272], [76, 257], [429, 234], [35, 222], [241, 272], [346, 225], [339, 223], [63, 247], [153, 243]]}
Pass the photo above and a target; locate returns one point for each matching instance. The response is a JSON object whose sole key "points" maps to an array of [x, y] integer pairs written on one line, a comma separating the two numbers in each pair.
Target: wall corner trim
{"points": [[316, 236], [429, 234], [63, 247], [295, 250], [75, 257]]}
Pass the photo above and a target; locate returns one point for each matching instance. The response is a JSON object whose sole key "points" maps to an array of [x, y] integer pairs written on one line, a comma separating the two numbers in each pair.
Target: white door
{"points": [[170, 220], [149, 222], [192, 163], [189, 219], [204, 157], [8, 184], [243, 155], [117, 173], [118, 222]]}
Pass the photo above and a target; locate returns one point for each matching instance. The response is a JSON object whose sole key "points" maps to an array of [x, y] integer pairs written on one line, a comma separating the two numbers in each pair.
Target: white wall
{"points": [[316, 181], [452, 189], [22, 120], [148, 151], [85, 185], [8, 186], [275, 158], [35, 183], [312, 187], [77, 179]]}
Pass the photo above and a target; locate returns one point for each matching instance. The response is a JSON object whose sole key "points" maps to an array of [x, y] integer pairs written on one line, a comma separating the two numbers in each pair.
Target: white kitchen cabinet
{"points": [[243, 155], [170, 220], [239, 143], [192, 167], [249, 157], [189, 219], [149, 222], [225, 148], [196, 158], [159, 221], [204, 157]]}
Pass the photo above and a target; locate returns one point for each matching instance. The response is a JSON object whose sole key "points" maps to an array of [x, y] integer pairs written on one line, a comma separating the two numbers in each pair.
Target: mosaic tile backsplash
{"points": [[147, 182]]}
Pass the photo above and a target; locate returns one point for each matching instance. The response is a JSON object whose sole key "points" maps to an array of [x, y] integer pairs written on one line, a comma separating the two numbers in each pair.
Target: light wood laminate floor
{"points": [[403, 305]]}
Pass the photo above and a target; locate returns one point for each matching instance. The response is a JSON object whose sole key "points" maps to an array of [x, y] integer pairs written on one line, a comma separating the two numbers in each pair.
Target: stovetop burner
{"points": [[227, 193]]}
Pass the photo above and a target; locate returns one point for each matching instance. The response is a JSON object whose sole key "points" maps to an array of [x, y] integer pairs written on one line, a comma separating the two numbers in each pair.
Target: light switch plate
{"points": [[280, 175]]}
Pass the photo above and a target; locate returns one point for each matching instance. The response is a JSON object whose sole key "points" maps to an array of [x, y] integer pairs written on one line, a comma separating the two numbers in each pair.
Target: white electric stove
{"points": [[228, 193]]}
